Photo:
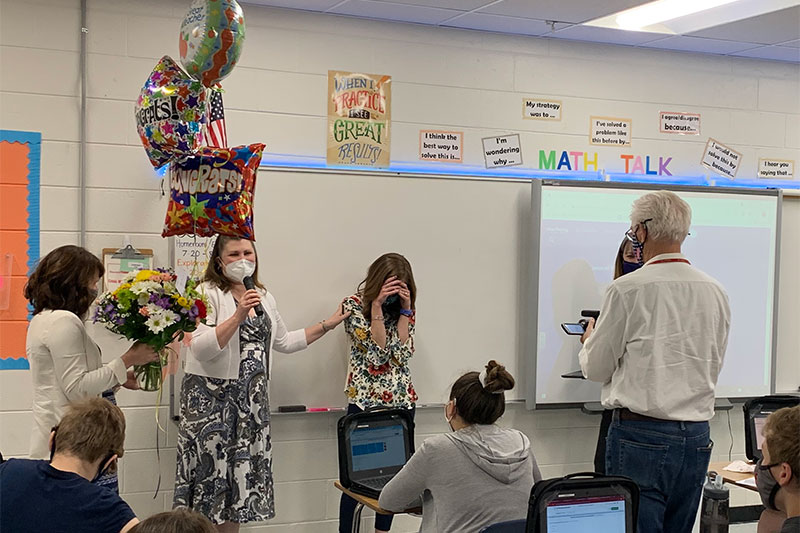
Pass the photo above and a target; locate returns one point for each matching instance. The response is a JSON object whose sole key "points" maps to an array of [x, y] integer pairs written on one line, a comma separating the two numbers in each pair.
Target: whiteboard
{"points": [[318, 231], [733, 237]]}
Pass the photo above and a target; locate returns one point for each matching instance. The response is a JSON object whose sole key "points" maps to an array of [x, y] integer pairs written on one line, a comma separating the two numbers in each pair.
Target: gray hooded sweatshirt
{"points": [[468, 479]]}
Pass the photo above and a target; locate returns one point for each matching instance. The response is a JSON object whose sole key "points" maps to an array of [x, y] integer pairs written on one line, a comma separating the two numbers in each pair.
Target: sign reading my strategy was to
{"points": [[359, 115], [574, 160]]}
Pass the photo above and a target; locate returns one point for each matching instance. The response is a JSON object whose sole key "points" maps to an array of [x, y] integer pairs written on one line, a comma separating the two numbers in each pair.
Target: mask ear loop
{"points": [[54, 429]]}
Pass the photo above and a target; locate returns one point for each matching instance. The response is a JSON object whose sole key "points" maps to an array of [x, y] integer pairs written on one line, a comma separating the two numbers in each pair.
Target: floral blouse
{"points": [[375, 376]]}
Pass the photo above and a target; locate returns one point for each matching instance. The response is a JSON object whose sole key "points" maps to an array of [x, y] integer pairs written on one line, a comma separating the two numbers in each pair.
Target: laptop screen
{"points": [[595, 514], [377, 447], [759, 421]]}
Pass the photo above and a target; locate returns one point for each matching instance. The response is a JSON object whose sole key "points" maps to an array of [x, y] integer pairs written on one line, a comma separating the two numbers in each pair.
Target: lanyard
{"points": [[675, 260]]}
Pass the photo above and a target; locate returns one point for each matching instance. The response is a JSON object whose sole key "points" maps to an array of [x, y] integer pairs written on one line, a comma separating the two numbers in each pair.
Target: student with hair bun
{"points": [[478, 474]]}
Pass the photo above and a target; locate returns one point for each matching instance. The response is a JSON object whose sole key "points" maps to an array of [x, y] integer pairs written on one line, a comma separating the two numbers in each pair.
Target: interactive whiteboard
{"points": [[578, 228]]}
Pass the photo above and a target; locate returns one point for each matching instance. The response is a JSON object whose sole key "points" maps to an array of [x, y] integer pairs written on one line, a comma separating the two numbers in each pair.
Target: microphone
{"points": [[247, 281]]}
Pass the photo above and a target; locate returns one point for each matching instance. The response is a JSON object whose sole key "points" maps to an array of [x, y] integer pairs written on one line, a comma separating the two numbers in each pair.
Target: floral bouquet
{"points": [[148, 308]]}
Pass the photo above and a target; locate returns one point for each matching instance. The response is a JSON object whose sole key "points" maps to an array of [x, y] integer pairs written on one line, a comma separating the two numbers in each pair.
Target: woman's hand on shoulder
{"points": [[338, 316]]}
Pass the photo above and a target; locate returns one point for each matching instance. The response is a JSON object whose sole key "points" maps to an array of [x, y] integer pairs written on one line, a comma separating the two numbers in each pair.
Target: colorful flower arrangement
{"points": [[149, 308]]}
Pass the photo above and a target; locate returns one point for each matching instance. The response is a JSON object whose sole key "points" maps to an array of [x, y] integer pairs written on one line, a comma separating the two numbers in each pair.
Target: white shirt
{"points": [[205, 357], [66, 365], [659, 343]]}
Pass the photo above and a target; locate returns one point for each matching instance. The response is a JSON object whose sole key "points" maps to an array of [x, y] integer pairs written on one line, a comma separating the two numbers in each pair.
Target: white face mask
{"points": [[236, 271]]}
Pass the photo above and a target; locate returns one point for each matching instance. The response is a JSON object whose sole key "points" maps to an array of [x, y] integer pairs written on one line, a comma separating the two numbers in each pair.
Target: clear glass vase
{"points": [[148, 376]]}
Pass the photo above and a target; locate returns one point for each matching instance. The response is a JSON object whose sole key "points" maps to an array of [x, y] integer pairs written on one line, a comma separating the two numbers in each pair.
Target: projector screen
{"points": [[733, 238]]}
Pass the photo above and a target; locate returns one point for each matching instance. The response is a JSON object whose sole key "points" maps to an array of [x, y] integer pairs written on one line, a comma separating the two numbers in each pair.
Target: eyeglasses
{"points": [[631, 233]]}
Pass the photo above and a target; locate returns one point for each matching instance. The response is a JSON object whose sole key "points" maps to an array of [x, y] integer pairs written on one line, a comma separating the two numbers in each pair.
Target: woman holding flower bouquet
{"points": [[224, 450], [66, 364]]}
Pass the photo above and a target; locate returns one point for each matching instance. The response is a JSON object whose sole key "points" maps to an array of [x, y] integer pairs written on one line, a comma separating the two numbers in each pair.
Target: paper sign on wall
{"points": [[720, 159], [776, 168], [359, 115], [608, 131], [537, 109], [680, 123], [191, 257], [441, 146], [502, 151]]}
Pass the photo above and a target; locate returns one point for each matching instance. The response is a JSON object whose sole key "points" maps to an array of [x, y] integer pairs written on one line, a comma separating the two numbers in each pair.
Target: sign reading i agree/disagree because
{"points": [[680, 123], [502, 151], [441, 146], [782, 169], [537, 109], [721, 159], [608, 131]]}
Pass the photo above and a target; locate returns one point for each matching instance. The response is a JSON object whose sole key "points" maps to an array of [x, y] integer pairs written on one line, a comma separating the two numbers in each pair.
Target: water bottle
{"points": [[716, 500]]}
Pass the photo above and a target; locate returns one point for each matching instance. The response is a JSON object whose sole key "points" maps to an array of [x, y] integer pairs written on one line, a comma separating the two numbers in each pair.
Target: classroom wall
{"points": [[443, 79]]}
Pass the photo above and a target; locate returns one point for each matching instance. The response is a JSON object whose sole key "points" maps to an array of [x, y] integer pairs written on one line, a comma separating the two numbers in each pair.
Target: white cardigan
{"points": [[66, 365], [205, 357]]}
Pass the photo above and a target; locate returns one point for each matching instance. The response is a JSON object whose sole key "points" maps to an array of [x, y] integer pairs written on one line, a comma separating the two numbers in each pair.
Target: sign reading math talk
{"points": [[359, 114]]}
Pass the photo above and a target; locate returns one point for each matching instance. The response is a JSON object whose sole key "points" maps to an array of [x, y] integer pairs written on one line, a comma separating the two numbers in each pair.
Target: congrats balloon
{"points": [[170, 113], [211, 39], [212, 192]]}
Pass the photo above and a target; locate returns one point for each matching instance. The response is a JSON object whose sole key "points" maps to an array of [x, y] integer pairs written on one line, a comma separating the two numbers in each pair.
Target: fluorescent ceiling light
{"points": [[663, 10], [686, 16]]}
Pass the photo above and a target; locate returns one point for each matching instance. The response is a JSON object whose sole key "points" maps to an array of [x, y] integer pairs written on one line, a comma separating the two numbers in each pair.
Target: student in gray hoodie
{"points": [[475, 476]]}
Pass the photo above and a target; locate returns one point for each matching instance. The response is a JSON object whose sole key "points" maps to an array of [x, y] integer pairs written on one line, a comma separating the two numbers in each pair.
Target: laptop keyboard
{"points": [[376, 483]]}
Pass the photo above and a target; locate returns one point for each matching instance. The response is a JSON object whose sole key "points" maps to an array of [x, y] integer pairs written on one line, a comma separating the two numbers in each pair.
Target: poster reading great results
{"points": [[359, 114]]}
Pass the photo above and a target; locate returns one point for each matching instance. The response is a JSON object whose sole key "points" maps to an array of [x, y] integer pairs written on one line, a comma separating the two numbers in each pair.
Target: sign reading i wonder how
{"points": [[359, 114]]}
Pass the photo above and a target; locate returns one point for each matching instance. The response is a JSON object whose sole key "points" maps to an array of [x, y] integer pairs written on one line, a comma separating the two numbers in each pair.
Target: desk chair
{"points": [[511, 526]]}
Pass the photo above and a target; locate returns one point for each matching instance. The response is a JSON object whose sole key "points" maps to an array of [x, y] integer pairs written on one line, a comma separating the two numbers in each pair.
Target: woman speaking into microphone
{"points": [[224, 451]]}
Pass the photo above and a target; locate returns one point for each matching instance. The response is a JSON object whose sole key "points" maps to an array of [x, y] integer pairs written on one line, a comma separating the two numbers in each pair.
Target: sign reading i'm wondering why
{"points": [[359, 115]]}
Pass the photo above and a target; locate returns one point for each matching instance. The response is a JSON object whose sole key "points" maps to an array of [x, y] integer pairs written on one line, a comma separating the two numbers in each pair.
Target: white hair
{"points": [[668, 216]]}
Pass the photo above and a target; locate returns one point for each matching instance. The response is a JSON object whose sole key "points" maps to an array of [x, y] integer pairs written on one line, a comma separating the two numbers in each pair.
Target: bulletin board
{"points": [[20, 159]]}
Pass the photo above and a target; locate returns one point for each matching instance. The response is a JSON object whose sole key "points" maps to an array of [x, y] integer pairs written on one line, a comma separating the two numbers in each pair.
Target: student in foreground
{"points": [[475, 476], [59, 495], [179, 520], [778, 472]]}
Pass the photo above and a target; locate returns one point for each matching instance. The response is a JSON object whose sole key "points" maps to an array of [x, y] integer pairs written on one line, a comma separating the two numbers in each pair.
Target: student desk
{"points": [[366, 501], [731, 477]]}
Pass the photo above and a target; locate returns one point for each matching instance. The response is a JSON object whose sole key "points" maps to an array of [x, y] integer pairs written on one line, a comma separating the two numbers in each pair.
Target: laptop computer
{"points": [[584, 502], [586, 514], [376, 446]]}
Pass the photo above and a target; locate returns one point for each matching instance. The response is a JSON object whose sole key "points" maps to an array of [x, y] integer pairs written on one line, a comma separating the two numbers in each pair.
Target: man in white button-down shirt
{"points": [[658, 348]]}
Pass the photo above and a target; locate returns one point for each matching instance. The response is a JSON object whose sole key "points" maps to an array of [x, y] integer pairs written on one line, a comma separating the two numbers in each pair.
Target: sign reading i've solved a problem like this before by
{"points": [[609, 131], [503, 151]]}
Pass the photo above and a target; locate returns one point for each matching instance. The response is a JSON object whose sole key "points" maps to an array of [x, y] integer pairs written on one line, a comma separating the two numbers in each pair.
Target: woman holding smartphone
{"points": [[380, 328]]}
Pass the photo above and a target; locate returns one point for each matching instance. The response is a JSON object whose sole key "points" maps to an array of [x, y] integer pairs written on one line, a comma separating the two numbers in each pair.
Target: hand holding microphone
{"points": [[247, 300]]}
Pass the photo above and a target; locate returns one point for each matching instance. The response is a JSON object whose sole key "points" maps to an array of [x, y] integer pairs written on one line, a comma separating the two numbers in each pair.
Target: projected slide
{"points": [[732, 238]]}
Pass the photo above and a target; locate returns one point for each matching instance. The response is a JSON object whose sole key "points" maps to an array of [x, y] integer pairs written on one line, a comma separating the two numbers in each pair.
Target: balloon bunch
{"points": [[179, 114]]}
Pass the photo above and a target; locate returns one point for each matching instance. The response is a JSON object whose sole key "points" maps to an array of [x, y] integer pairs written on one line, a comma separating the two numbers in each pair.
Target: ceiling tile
{"points": [[771, 28], [458, 5], [499, 23], [307, 5], [699, 44], [778, 53], [576, 11], [604, 35], [391, 11]]}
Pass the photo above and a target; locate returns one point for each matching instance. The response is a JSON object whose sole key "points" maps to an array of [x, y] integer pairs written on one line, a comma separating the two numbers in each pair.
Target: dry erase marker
{"points": [[318, 409]]}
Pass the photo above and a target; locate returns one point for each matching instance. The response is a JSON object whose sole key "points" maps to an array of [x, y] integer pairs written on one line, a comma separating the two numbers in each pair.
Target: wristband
{"points": [[407, 312], [324, 329]]}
